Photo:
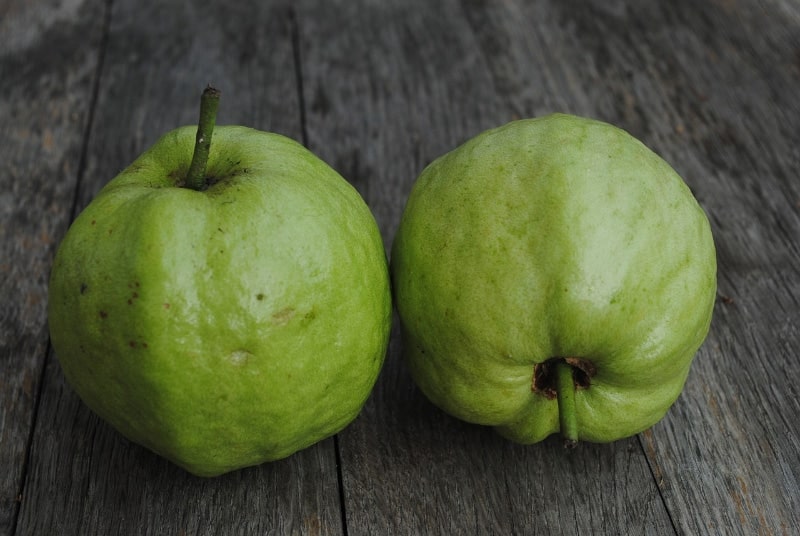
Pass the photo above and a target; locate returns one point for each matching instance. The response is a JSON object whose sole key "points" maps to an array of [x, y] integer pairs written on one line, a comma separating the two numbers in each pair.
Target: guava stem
{"points": [[209, 102], [565, 389]]}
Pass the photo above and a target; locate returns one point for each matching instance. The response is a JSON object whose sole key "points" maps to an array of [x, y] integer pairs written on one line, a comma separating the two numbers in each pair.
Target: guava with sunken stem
{"points": [[553, 274]]}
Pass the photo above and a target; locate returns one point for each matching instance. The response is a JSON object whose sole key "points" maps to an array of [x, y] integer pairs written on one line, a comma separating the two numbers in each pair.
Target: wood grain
{"points": [[728, 452], [48, 60], [84, 478], [378, 90], [426, 79], [660, 71], [96, 482]]}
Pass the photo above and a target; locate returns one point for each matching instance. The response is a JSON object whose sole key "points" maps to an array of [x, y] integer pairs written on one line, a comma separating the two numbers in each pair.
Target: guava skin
{"points": [[556, 237], [230, 326]]}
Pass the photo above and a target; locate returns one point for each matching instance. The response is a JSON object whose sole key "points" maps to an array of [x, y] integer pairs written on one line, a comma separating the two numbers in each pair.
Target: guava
{"points": [[225, 313], [553, 274]]}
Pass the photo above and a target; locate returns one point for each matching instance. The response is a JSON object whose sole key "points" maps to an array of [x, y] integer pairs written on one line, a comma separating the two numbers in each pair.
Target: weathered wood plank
{"points": [[715, 94], [84, 478], [386, 87], [48, 61], [390, 86], [731, 448], [706, 86]]}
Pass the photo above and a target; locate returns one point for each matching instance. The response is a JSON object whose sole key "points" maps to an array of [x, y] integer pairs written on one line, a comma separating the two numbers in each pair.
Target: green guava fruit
{"points": [[553, 274], [229, 323]]}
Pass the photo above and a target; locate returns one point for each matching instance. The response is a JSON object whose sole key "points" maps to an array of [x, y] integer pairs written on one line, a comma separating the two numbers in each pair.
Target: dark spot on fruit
{"points": [[177, 175], [84, 286], [544, 375], [167, 306], [94, 222], [130, 301], [135, 295], [259, 296], [544, 381], [144, 345], [209, 182], [132, 344], [582, 371], [103, 314]]}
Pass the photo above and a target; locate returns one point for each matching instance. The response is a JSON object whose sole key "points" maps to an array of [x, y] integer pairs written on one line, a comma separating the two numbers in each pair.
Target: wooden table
{"points": [[378, 89]]}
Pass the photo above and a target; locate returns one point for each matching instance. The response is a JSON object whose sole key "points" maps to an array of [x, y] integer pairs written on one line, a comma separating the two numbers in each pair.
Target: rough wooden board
{"points": [[48, 62], [423, 80], [84, 478], [96, 482], [386, 88], [410, 469], [706, 87], [728, 455]]}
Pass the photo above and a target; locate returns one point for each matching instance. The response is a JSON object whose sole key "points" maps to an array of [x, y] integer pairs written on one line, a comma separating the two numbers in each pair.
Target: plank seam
{"points": [[73, 208], [653, 473], [298, 73], [340, 479]]}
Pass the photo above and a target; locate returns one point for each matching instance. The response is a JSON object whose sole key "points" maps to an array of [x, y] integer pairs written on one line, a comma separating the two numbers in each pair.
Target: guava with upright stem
{"points": [[223, 301]]}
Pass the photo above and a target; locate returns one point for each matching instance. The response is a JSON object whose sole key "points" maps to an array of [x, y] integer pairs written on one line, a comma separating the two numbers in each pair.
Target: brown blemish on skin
{"points": [[283, 316], [544, 380], [103, 314], [167, 306], [583, 371]]}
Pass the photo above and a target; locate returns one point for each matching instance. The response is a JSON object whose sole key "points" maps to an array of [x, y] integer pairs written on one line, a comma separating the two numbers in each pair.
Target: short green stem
{"points": [[565, 388], [209, 102]]}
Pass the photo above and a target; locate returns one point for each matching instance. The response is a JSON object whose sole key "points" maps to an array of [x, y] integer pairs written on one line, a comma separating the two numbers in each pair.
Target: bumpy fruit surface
{"points": [[546, 244], [227, 326]]}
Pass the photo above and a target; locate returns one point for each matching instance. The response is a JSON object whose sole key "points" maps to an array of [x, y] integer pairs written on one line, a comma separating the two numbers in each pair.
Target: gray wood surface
{"points": [[47, 73], [378, 89]]}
